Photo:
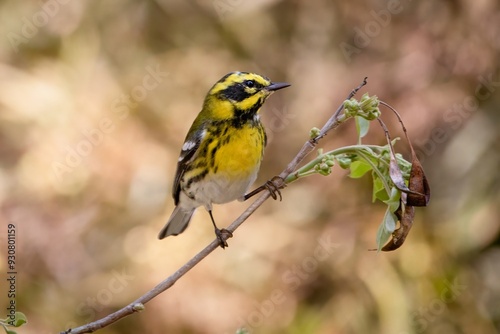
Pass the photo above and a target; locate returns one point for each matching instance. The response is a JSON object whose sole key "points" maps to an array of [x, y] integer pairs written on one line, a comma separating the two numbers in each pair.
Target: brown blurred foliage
{"points": [[95, 101]]}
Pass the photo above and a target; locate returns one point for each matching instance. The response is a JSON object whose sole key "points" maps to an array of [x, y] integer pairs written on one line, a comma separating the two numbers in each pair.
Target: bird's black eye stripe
{"points": [[238, 90]]}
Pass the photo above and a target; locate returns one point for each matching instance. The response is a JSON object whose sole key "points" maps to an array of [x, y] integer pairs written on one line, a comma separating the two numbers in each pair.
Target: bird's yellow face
{"points": [[239, 94]]}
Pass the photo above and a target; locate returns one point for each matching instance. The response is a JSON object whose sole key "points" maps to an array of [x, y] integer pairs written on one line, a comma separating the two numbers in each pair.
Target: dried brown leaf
{"points": [[418, 183], [405, 224], [419, 192]]}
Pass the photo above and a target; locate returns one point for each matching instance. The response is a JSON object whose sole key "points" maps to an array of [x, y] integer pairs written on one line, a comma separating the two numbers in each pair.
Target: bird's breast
{"points": [[239, 152]]}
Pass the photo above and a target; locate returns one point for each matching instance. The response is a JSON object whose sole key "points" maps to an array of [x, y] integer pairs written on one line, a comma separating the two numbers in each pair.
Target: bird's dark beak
{"points": [[277, 85]]}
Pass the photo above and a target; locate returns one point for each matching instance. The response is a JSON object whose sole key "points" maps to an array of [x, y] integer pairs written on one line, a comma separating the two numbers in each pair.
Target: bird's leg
{"points": [[222, 234], [273, 186]]}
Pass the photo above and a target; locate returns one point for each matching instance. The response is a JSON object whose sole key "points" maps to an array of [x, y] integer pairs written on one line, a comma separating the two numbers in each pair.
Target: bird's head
{"points": [[239, 94]]}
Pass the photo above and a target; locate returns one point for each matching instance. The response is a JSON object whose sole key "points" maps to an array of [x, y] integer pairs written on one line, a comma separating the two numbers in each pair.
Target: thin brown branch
{"points": [[137, 305]]}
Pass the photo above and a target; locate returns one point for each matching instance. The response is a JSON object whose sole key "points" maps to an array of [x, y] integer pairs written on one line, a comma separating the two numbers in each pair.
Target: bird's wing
{"points": [[188, 152]]}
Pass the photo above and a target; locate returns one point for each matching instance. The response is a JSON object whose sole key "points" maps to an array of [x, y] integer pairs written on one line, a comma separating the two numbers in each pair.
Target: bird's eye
{"points": [[249, 83]]}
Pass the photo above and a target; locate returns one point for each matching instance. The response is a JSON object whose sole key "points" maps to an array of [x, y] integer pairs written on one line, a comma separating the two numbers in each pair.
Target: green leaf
{"points": [[20, 319], [390, 221], [379, 189], [9, 331], [393, 201], [386, 228], [362, 126], [382, 236], [359, 168]]}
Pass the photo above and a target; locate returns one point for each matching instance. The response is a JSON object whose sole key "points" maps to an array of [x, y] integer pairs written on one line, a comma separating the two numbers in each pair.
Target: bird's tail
{"points": [[177, 223]]}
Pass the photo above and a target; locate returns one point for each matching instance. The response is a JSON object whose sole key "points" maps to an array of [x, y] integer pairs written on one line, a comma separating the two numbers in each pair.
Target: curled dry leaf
{"points": [[394, 170], [405, 214], [416, 194], [420, 191]]}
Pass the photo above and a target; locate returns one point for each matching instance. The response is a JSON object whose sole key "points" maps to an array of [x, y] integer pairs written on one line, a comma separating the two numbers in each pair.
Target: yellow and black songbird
{"points": [[223, 149]]}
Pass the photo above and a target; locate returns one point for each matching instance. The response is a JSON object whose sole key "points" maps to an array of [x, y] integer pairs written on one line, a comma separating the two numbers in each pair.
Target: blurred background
{"points": [[97, 96]]}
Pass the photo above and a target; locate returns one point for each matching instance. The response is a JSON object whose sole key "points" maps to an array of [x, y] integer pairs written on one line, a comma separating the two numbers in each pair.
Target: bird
{"points": [[223, 150]]}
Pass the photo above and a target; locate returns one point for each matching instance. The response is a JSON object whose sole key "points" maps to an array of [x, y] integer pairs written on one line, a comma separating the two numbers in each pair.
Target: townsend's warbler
{"points": [[223, 149]]}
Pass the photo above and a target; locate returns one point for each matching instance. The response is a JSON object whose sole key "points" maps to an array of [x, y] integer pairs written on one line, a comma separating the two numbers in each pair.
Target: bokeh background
{"points": [[95, 101]]}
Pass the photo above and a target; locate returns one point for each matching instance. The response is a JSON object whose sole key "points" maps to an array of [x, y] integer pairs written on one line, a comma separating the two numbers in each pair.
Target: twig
{"points": [[333, 122], [138, 304]]}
